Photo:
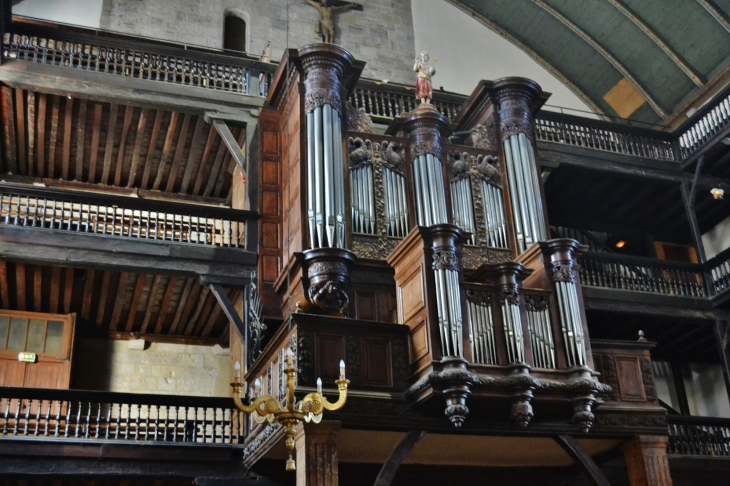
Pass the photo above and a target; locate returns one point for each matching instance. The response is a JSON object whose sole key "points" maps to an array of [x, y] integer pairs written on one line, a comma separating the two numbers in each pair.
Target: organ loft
{"points": [[217, 269]]}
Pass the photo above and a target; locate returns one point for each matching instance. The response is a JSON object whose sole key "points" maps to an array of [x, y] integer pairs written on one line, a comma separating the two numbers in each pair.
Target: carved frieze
{"points": [[445, 260], [647, 376], [305, 360], [510, 296], [610, 377], [563, 272], [473, 257], [373, 248], [353, 359], [358, 120], [318, 97], [479, 298], [425, 140], [536, 303]]}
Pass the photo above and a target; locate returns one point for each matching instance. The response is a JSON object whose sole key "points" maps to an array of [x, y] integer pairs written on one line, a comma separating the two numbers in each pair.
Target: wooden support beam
{"points": [[166, 149], [717, 13], [105, 281], [228, 309], [134, 305], [20, 285], [678, 376], [109, 149], [215, 170], [200, 300], [688, 200], [8, 114], [128, 113], [88, 294], [80, 140], [95, 134], [230, 142], [55, 289], [66, 142], [200, 177], [55, 109], [193, 153], [397, 456], [31, 132], [119, 301], [68, 290], [184, 297], [154, 288], [202, 318], [37, 288], [584, 461], [20, 130], [165, 304], [138, 137], [149, 157], [4, 295], [41, 130], [177, 159]]}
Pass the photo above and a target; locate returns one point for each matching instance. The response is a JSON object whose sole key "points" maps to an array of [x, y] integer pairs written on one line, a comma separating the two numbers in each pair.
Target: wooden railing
{"points": [[103, 214], [641, 274], [605, 136], [698, 436], [718, 270], [75, 414], [80, 49], [704, 125]]}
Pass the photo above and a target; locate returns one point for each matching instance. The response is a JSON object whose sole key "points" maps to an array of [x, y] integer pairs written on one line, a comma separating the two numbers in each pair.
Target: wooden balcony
{"points": [[699, 436]]}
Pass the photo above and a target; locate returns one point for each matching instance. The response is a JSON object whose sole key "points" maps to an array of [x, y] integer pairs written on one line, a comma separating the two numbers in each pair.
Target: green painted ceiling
{"points": [[668, 50]]}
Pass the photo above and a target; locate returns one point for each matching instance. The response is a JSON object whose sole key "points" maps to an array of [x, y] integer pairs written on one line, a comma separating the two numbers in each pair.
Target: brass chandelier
{"points": [[291, 413]]}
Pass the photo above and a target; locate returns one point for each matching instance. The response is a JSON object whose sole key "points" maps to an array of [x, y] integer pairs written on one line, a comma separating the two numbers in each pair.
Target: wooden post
{"points": [[317, 454], [646, 461], [722, 334], [689, 209]]}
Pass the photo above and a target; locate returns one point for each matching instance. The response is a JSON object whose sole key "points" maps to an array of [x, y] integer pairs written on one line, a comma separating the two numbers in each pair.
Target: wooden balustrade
{"points": [[46, 44], [718, 270], [698, 436], [126, 217], [640, 274], [605, 136], [75, 414], [704, 125]]}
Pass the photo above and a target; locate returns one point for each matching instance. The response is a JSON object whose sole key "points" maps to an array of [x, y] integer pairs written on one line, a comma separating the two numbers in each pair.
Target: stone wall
{"points": [[160, 368], [381, 34]]}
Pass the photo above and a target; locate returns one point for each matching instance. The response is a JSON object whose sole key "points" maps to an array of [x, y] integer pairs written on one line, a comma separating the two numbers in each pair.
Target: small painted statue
{"points": [[264, 76], [424, 91], [326, 25]]}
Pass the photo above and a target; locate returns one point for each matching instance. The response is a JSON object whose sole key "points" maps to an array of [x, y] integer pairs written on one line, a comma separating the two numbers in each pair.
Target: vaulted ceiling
{"points": [[644, 61]]}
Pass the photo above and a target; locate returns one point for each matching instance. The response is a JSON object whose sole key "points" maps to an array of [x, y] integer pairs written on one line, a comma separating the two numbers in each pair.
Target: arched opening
{"points": [[234, 33]]}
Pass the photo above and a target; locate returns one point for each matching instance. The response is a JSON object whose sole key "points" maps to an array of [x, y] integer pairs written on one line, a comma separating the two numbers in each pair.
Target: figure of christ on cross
{"points": [[326, 24]]}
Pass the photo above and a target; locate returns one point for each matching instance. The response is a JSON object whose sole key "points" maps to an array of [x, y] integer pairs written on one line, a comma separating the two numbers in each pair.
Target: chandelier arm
{"points": [[342, 386], [271, 405]]}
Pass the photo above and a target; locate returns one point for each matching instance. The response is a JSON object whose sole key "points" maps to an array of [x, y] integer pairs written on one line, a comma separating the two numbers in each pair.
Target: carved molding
{"points": [[353, 359], [610, 377], [485, 137], [563, 272], [631, 420], [479, 298], [392, 156], [373, 247], [254, 445], [357, 119], [332, 295], [515, 127], [400, 365], [536, 303], [647, 376], [445, 260], [511, 296], [305, 360], [318, 97], [425, 140]]}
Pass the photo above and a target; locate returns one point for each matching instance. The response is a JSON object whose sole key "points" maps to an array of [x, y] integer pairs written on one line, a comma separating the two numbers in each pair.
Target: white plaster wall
{"points": [[718, 238], [161, 368], [468, 51], [86, 13]]}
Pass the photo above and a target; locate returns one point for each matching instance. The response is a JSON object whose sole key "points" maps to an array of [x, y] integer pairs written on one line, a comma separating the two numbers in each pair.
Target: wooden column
{"points": [[317, 454], [646, 461]]}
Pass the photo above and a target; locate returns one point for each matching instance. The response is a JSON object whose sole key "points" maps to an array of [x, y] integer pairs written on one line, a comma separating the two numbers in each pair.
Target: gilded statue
{"points": [[326, 25], [424, 91]]}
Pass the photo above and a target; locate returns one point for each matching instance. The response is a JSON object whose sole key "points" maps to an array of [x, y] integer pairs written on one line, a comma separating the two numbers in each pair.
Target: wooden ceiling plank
{"points": [[95, 134], [20, 130], [20, 285], [147, 164], [179, 149], [202, 321], [230, 168], [105, 281], [156, 284], [109, 148], [10, 148], [67, 125], [80, 140], [88, 294], [165, 305], [55, 289], [190, 307], [215, 170], [134, 305], [214, 315], [138, 137], [4, 295], [225, 340], [41, 130], [201, 302], [166, 149], [37, 288], [184, 299], [199, 177], [198, 136], [128, 112], [119, 301], [55, 102], [31, 132], [68, 289]]}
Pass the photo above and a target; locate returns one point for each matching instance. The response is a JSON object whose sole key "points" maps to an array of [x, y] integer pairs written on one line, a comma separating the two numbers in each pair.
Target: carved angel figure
{"points": [[326, 24], [424, 91]]}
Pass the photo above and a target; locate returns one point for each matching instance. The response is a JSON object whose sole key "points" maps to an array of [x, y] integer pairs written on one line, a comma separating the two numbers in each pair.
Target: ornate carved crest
{"points": [[317, 97], [332, 295], [358, 120], [484, 169], [445, 260], [513, 127], [510, 296], [255, 325], [391, 154], [473, 257], [459, 164], [479, 298], [484, 137], [647, 376], [359, 152], [425, 141], [536, 303], [563, 272]]}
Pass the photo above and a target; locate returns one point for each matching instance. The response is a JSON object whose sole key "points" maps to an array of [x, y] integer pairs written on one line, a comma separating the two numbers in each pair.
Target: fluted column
{"points": [[316, 446], [426, 128], [324, 67], [646, 461], [516, 98]]}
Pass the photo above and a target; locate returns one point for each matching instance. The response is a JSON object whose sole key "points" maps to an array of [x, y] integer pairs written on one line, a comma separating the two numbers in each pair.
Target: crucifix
{"points": [[326, 24]]}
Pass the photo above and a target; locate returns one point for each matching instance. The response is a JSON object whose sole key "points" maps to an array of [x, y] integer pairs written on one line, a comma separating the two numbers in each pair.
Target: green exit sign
{"points": [[27, 357]]}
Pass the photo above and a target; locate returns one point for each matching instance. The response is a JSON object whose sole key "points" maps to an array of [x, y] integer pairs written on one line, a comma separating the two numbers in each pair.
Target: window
{"points": [[234, 33]]}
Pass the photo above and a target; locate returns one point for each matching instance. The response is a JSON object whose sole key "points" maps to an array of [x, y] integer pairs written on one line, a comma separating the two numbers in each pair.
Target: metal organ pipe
{"points": [[430, 192], [571, 323]]}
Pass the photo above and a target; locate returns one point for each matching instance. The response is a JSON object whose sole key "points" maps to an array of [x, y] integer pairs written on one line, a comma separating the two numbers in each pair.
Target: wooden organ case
{"points": [[422, 256]]}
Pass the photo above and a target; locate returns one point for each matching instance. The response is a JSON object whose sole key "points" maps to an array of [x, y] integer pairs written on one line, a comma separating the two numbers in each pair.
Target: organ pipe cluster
{"points": [[484, 349], [462, 206], [512, 323], [428, 178], [494, 219], [362, 199], [396, 207], [541, 333], [571, 322], [448, 302]]}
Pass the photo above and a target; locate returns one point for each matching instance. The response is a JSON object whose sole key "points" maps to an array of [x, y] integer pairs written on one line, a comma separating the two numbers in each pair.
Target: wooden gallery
{"points": [[218, 268]]}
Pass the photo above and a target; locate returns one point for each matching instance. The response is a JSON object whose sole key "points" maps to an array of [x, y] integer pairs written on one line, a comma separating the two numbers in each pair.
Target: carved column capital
{"points": [[324, 66], [559, 253], [426, 128], [316, 446], [517, 99]]}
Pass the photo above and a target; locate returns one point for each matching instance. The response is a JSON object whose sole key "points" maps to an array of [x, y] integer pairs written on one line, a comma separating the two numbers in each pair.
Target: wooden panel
{"points": [[12, 373], [270, 268], [419, 342], [412, 296], [270, 235], [377, 364], [46, 374], [629, 375], [270, 203], [330, 349], [270, 172], [270, 143], [365, 305]]}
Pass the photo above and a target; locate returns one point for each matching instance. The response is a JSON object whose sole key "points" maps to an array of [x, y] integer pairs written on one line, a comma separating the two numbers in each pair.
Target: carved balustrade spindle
{"points": [[516, 97]]}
